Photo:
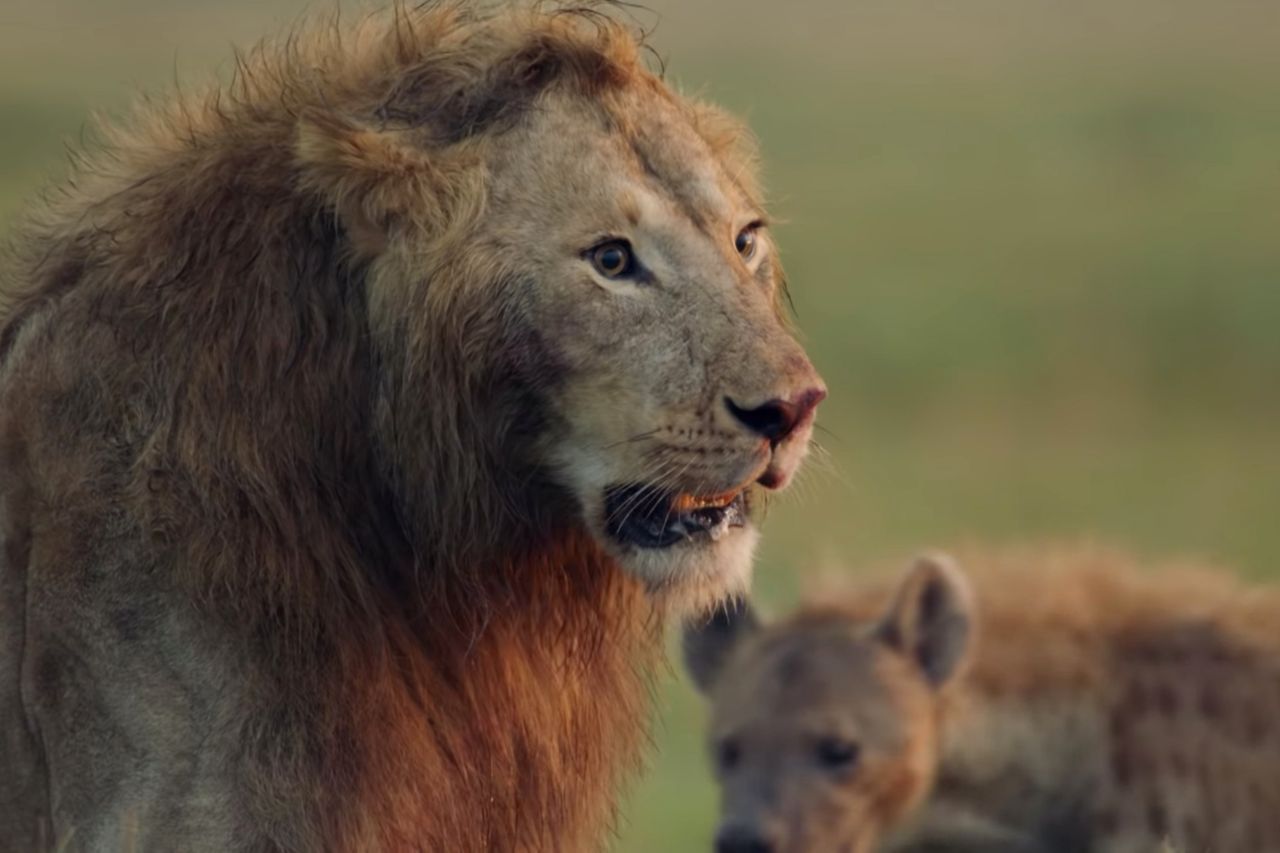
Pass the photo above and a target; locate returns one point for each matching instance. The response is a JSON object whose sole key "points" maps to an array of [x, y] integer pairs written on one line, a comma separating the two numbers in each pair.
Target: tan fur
{"points": [[308, 401], [1106, 707]]}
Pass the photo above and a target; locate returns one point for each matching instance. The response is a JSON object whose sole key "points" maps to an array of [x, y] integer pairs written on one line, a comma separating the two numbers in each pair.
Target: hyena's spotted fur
{"points": [[1078, 705]]}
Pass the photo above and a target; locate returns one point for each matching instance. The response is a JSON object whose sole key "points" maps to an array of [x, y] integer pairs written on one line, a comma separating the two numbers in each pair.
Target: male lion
{"points": [[358, 422], [1074, 704]]}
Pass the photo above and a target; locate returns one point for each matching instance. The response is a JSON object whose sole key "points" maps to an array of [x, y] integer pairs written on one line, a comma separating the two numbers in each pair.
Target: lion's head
{"points": [[613, 292], [365, 372]]}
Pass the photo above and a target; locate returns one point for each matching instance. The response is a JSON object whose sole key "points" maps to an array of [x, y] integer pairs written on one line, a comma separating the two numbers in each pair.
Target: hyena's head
{"points": [[823, 727]]}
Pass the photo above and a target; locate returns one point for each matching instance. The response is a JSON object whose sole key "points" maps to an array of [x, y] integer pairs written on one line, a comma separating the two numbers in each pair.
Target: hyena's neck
{"points": [[1017, 759]]}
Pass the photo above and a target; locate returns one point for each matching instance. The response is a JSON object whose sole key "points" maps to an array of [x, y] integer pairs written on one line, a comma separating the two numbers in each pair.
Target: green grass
{"points": [[1034, 249]]}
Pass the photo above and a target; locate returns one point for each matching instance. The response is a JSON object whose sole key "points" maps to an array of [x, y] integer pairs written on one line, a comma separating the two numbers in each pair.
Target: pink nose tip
{"points": [[777, 418]]}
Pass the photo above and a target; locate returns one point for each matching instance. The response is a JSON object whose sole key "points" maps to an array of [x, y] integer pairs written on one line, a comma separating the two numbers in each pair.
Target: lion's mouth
{"points": [[650, 518]]}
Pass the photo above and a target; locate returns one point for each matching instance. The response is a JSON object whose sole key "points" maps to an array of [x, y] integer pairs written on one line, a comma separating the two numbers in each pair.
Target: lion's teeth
{"points": [[689, 503]]}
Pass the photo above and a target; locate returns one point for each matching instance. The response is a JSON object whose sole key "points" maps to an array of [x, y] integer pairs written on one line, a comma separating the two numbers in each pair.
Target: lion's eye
{"points": [[836, 753], [613, 259], [746, 241]]}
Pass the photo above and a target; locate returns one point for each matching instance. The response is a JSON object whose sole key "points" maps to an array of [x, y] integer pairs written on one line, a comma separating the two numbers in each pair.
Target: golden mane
{"points": [[243, 421], [181, 213]]}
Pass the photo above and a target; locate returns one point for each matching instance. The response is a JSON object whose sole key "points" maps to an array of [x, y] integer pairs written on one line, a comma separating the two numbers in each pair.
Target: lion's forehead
{"points": [[676, 163], [632, 158]]}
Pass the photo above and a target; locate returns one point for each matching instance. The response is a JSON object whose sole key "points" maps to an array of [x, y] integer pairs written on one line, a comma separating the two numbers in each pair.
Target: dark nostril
{"points": [[739, 839], [773, 420], [777, 418]]}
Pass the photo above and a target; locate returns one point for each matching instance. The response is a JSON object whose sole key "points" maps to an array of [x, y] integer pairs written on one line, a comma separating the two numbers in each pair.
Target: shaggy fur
{"points": [[1103, 708], [284, 566]]}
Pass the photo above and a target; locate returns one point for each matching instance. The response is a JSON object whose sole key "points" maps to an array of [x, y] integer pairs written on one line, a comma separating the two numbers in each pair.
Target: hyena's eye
{"points": [[728, 753], [836, 753]]}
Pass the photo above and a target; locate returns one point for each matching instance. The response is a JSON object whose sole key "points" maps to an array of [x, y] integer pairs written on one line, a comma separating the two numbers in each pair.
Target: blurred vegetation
{"points": [[1034, 248]]}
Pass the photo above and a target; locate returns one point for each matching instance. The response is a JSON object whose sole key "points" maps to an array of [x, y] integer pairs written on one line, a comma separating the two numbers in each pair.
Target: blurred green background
{"points": [[1034, 248]]}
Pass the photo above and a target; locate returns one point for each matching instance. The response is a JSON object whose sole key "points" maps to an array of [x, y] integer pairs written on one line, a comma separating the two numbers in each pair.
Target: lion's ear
{"points": [[377, 180]]}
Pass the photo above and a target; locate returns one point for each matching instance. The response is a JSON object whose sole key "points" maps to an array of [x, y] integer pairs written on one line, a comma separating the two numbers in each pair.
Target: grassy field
{"points": [[1034, 249]]}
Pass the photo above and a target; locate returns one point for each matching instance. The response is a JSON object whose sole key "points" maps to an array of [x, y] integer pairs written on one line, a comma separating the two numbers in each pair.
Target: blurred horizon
{"points": [[1034, 248]]}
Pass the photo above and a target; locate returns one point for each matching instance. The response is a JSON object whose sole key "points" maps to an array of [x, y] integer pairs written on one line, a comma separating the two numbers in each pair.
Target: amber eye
{"points": [[728, 753], [836, 753], [613, 259], [746, 241]]}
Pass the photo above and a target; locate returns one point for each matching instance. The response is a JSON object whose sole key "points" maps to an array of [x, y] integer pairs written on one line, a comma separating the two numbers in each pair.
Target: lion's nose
{"points": [[777, 418], [741, 839]]}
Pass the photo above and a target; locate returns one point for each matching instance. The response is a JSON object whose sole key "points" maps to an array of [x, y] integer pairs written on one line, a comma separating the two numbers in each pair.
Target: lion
{"points": [[1071, 703], [361, 423]]}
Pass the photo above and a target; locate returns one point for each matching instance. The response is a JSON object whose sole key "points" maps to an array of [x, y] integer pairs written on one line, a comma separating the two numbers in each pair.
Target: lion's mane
{"points": [[436, 664]]}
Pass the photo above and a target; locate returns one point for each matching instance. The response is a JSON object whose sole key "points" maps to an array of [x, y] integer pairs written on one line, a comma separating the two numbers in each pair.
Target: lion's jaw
{"points": [[690, 548], [673, 504]]}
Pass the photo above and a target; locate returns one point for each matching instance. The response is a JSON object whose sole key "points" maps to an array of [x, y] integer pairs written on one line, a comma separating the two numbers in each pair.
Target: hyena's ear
{"points": [[707, 641], [931, 618], [377, 180]]}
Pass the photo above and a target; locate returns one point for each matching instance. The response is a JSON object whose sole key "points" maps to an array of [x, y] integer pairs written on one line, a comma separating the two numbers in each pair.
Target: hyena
{"points": [[1064, 702]]}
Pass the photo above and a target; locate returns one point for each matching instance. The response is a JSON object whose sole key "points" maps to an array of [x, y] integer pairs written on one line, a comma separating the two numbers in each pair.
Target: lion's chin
{"points": [[696, 572]]}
